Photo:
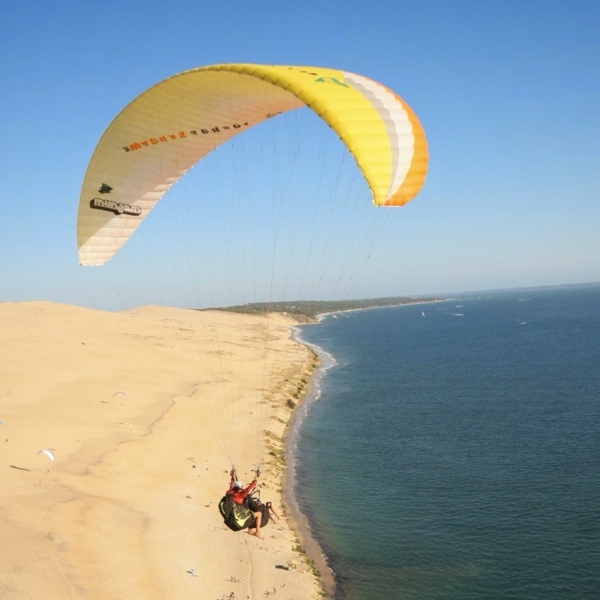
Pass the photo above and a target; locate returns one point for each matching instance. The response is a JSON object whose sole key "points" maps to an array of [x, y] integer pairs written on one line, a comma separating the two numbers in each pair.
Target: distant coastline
{"points": [[311, 311]]}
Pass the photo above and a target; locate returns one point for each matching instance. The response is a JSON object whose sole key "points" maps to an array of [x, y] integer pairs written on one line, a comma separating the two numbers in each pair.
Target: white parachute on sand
{"points": [[47, 452]]}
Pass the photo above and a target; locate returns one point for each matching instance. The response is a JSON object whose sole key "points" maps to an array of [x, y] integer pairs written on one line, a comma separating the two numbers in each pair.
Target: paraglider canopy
{"points": [[166, 130]]}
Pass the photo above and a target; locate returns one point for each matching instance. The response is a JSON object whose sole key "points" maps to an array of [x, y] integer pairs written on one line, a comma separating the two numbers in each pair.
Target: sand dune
{"points": [[135, 407]]}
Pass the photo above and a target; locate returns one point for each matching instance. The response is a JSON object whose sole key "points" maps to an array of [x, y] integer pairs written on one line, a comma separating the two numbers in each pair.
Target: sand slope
{"points": [[132, 405]]}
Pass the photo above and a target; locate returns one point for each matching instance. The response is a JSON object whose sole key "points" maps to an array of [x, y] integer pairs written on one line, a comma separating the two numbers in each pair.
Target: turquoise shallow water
{"points": [[457, 455]]}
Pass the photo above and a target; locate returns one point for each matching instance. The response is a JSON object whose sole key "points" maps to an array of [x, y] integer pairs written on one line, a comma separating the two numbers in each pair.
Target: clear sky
{"points": [[508, 93]]}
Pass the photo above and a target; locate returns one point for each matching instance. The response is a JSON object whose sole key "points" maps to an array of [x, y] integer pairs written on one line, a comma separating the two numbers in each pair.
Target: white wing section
{"points": [[397, 122]]}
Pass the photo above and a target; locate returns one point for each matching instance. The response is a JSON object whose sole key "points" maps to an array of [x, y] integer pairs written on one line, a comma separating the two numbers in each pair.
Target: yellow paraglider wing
{"points": [[165, 131]]}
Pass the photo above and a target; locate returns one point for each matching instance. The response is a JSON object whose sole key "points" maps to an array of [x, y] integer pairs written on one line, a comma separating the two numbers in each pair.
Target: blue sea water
{"points": [[456, 455]]}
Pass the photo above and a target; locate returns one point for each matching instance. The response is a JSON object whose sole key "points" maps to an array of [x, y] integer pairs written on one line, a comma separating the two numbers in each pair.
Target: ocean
{"points": [[454, 449]]}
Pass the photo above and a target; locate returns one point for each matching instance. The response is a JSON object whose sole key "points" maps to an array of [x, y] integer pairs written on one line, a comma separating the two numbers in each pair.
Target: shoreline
{"points": [[300, 522], [322, 316]]}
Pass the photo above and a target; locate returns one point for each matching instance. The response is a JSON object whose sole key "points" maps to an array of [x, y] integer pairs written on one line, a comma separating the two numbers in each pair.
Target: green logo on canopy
{"points": [[331, 80]]}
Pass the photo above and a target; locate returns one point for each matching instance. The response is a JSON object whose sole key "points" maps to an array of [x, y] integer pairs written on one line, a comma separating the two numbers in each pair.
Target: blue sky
{"points": [[508, 93]]}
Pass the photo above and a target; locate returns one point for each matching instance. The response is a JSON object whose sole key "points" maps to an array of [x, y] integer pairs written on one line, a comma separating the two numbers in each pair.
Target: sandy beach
{"points": [[131, 405]]}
